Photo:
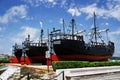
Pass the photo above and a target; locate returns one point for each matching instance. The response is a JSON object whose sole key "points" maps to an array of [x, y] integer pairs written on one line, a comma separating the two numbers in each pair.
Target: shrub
{"points": [[80, 64], [4, 60]]}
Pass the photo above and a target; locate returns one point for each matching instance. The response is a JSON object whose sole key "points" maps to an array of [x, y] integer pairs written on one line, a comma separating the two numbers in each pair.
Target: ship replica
{"points": [[73, 47], [30, 52], [36, 52]]}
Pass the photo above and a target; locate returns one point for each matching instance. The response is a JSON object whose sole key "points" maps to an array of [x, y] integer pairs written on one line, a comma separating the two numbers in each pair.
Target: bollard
{"points": [[28, 77], [63, 75]]}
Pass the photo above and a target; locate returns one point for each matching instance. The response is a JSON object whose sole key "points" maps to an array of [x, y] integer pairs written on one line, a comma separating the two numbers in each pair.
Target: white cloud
{"points": [[107, 24], [48, 3], [81, 25], [41, 24], [112, 11], [0, 29], [74, 11], [61, 21], [88, 10], [13, 13], [36, 3], [52, 1], [18, 38], [63, 3], [93, 8], [115, 37], [117, 32]]}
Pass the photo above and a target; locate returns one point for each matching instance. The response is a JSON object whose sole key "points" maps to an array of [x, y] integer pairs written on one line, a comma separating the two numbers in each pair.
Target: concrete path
{"points": [[8, 73]]}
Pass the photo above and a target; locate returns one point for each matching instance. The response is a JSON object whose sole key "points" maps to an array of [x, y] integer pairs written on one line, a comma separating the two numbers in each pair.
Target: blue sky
{"points": [[18, 18]]}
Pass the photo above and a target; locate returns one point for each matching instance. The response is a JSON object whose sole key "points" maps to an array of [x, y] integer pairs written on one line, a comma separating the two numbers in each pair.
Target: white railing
{"points": [[77, 72]]}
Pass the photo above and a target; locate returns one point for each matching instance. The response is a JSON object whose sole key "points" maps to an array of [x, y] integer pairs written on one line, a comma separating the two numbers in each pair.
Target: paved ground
{"points": [[36, 66], [108, 76]]}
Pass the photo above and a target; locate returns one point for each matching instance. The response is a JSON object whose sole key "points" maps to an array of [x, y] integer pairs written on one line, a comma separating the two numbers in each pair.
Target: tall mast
{"points": [[63, 27], [73, 22], [28, 37], [107, 34], [41, 36], [95, 29]]}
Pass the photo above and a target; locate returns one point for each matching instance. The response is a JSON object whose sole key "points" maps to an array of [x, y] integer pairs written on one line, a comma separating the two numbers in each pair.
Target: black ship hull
{"points": [[36, 54], [78, 50], [18, 54], [17, 51], [36, 51], [68, 47]]}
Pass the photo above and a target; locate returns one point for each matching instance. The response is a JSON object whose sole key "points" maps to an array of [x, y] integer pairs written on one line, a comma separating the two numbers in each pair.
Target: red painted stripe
{"points": [[82, 57]]}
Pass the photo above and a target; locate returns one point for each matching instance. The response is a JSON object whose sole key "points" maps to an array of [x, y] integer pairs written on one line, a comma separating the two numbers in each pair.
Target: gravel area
{"points": [[108, 76]]}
